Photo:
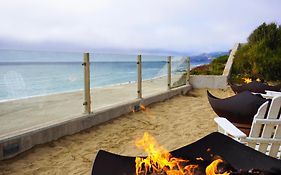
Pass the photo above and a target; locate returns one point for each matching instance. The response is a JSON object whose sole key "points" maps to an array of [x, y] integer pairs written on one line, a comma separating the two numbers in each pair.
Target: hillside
{"points": [[216, 67]]}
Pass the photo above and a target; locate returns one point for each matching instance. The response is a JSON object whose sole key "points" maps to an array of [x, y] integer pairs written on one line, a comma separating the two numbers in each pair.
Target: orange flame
{"points": [[159, 160], [146, 111], [212, 169], [199, 158], [142, 107], [247, 80]]}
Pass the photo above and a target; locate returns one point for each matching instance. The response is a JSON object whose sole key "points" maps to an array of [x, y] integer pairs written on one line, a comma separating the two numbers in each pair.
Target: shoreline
{"points": [[76, 90]]}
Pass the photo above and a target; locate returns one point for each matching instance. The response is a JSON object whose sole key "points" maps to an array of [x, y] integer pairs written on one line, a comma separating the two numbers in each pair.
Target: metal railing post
{"points": [[87, 93], [187, 70], [169, 61], [139, 69]]}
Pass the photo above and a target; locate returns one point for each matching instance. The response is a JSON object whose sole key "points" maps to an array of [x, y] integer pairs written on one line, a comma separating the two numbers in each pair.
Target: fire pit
{"points": [[239, 109], [212, 149], [254, 86]]}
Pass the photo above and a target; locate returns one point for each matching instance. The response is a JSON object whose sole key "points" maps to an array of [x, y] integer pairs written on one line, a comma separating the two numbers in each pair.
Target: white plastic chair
{"points": [[265, 134]]}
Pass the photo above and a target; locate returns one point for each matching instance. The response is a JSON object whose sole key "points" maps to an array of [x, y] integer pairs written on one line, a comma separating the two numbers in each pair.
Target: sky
{"points": [[138, 26]]}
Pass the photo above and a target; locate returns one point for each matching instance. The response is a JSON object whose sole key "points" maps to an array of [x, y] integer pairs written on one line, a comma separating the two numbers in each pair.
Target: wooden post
{"points": [[169, 61], [187, 70], [87, 93], [139, 67]]}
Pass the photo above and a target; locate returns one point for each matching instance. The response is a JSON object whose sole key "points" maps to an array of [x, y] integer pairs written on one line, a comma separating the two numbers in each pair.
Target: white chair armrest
{"points": [[273, 93], [229, 128], [267, 96]]}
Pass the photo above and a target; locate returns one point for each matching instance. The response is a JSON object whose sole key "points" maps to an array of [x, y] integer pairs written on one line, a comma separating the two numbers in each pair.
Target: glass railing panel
{"points": [[113, 79], [178, 71], [154, 74], [39, 88]]}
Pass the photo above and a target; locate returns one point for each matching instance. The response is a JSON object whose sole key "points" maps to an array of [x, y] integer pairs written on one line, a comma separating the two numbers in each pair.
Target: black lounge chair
{"points": [[254, 86], [237, 155], [239, 109]]}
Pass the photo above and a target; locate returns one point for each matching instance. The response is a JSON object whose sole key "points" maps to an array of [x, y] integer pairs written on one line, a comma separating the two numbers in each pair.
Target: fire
{"points": [[146, 111], [142, 107], [159, 160], [138, 108], [212, 168], [247, 80]]}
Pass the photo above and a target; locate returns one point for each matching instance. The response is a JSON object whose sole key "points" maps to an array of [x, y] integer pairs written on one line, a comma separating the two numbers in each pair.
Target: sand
{"points": [[21, 115], [174, 123]]}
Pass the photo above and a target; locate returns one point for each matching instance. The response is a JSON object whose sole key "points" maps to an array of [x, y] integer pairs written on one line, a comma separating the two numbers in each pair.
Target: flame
{"points": [[199, 158], [247, 80], [142, 107], [159, 160], [146, 111], [212, 168]]}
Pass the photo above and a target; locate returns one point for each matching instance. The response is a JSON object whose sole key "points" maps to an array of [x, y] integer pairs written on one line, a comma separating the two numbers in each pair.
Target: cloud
{"points": [[176, 25]]}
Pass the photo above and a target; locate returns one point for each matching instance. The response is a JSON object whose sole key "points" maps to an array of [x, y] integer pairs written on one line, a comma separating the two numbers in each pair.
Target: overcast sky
{"points": [[183, 26]]}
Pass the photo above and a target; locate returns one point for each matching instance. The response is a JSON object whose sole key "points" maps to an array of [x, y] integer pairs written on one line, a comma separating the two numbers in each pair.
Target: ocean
{"points": [[25, 74]]}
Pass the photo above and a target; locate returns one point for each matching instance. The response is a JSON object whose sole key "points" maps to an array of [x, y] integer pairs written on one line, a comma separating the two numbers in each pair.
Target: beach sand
{"points": [[17, 116], [174, 123]]}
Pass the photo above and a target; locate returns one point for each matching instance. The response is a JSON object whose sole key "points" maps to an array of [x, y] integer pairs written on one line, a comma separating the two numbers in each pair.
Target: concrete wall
{"points": [[208, 81], [215, 81], [229, 62], [15, 144]]}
